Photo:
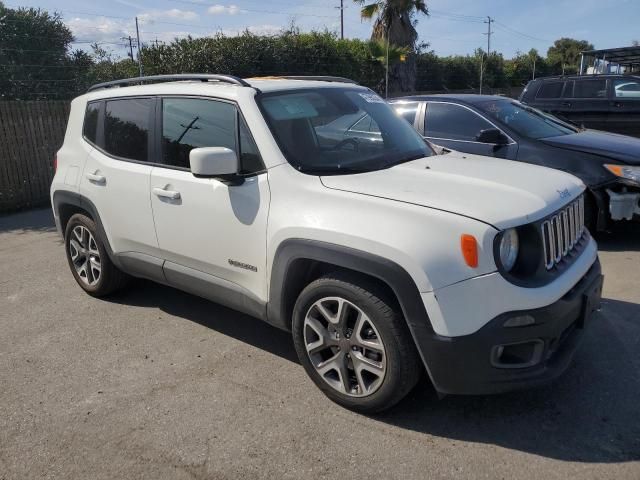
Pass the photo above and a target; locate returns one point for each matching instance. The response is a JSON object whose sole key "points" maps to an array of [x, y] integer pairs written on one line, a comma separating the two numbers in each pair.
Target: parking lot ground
{"points": [[154, 383]]}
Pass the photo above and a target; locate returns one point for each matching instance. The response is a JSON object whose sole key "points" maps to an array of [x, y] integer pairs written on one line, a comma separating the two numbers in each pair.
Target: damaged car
{"points": [[608, 163]]}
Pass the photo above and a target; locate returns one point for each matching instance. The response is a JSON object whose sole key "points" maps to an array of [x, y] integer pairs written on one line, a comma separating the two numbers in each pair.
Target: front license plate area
{"points": [[591, 301]]}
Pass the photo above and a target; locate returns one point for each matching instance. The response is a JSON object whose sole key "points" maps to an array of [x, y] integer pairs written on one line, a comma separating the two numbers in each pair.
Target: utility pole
{"points": [[139, 49], [386, 73], [534, 67], [481, 71], [130, 40], [341, 8], [489, 21]]}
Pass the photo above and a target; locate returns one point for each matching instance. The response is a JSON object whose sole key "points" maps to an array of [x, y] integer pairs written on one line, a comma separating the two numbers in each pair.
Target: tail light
{"points": [[55, 163]]}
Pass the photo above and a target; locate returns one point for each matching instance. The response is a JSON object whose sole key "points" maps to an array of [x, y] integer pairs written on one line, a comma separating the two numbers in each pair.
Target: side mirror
{"points": [[492, 135], [213, 162]]}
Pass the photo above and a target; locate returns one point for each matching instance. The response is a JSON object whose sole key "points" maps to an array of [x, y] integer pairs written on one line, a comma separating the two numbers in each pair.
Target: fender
{"points": [[64, 197], [284, 271]]}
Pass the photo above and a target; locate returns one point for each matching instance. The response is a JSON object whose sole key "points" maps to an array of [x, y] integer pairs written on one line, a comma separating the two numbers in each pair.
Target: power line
{"points": [[516, 32]]}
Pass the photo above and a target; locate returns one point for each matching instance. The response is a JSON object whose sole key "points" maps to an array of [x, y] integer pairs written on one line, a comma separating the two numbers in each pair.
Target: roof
{"points": [[469, 98], [621, 56], [260, 83], [271, 84], [581, 77], [217, 89]]}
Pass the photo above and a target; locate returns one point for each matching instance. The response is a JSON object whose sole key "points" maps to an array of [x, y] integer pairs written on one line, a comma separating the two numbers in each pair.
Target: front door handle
{"points": [[94, 177], [170, 194], [618, 104], [566, 104]]}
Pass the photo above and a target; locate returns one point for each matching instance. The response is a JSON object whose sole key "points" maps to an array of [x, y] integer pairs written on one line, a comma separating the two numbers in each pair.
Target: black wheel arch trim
{"points": [[65, 197], [385, 270]]}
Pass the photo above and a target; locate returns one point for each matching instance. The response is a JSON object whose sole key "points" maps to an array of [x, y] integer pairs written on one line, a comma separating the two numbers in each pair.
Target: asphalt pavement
{"points": [[155, 383]]}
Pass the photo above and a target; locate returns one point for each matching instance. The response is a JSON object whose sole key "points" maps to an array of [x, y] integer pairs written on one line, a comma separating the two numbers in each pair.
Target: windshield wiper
{"points": [[335, 170], [410, 158]]}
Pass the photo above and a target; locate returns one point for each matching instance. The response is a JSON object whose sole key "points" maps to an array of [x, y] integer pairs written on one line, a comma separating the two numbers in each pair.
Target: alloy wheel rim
{"points": [[85, 255], [344, 347]]}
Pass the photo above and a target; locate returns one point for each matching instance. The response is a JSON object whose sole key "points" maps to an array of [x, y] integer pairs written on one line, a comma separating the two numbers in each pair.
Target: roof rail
{"points": [[320, 78], [171, 78]]}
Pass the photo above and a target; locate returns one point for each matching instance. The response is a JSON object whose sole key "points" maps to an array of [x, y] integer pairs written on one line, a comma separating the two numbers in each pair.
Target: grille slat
{"points": [[562, 232]]}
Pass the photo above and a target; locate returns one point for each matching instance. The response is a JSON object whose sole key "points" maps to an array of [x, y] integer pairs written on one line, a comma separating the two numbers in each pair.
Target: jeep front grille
{"points": [[562, 232]]}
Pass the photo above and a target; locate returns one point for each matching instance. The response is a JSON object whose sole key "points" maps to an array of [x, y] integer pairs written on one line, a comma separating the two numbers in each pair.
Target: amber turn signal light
{"points": [[469, 247]]}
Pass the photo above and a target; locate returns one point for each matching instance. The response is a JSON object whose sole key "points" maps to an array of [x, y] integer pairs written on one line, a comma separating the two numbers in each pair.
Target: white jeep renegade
{"points": [[309, 204]]}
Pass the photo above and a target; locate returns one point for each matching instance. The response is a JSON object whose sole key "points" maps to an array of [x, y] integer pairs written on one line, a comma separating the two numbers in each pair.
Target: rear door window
{"points": [[550, 90], [453, 122], [595, 88], [126, 128], [626, 88]]}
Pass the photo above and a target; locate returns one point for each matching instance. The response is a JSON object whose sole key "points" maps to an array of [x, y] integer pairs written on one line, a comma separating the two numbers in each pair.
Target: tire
{"points": [[591, 213], [88, 259], [353, 312]]}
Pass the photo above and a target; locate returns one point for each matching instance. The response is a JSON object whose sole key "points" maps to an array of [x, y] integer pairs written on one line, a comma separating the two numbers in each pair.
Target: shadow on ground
{"points": [[31, 221], [211, 315], [624, 236], [589, 415]]}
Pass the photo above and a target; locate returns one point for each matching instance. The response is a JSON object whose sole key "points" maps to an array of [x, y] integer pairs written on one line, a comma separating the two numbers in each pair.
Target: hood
{"points": [[618, 147], [499, 192]]}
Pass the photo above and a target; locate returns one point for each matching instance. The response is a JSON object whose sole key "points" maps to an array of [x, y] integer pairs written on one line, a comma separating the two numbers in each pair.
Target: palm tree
{"points": [[394, 22]]}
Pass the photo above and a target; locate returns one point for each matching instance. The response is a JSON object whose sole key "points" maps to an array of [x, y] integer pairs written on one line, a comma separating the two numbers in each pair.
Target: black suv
{"points": [[603, 102]]}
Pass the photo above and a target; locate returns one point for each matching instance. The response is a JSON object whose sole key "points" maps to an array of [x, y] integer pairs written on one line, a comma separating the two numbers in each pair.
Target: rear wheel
{"points": [[90, 265], [354, 343]]}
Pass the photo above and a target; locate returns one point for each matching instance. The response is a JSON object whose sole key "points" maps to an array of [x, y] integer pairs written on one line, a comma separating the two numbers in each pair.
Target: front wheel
{"points": [[354, 343]]}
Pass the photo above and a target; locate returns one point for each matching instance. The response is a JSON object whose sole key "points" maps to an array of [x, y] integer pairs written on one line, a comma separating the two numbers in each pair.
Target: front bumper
{"points": [[530, 355]]}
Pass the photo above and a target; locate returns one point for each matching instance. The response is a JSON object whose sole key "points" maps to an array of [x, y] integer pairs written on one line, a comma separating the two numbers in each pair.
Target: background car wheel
{"points": [[90, 265], [354, 343]]}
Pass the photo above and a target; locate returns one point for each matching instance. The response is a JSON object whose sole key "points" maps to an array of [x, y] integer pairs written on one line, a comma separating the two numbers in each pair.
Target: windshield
{"points": [[337, 130], [528, 122]]}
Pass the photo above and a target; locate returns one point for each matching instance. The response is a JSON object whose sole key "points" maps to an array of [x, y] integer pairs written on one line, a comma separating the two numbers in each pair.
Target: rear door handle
{"points": [[566, 104], [94, 177], [170, 194], [618, 104]]}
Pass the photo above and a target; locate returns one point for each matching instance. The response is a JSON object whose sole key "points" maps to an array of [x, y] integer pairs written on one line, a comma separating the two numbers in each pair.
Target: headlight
{"points": [[509, 245], [626, 172]]}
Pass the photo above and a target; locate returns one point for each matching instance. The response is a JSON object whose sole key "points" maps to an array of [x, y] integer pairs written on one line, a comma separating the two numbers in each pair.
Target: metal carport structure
{"points": [[628, 57]]}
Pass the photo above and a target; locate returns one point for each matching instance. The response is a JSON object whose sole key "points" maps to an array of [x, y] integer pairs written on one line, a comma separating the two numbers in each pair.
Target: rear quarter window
{"points": [[90, 126]]}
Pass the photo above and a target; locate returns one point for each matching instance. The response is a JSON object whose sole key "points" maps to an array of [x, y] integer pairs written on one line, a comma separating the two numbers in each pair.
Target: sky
{"points": [[453, 26]]}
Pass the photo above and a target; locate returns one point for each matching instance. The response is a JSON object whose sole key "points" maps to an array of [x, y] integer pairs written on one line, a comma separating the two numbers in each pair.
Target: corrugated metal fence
{"points": [[30, 135]]}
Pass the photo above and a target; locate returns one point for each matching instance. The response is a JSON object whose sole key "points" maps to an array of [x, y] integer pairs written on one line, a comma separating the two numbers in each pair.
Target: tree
{"points": [[387, 55], [564, 54], [395, 22], [522, 68], [33, 54]]}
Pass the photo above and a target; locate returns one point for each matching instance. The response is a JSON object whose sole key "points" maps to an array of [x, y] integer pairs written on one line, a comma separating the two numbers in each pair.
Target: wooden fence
{"points": [[30, 135]]}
